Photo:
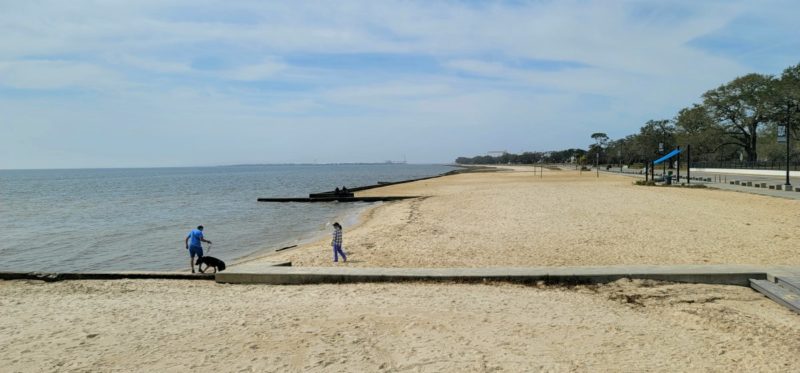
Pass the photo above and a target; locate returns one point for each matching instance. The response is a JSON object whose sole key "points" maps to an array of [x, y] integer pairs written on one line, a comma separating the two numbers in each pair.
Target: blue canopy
{"points": [[668, 156]]}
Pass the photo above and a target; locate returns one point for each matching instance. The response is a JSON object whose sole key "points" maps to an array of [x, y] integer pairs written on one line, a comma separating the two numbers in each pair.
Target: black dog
{"points": [[210, 262]]}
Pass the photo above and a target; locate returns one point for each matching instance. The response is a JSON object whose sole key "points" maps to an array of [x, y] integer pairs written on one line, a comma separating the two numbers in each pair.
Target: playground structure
{"points": [[676, 153]]}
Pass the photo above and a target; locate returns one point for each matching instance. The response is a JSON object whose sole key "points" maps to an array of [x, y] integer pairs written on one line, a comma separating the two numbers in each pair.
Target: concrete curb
{"points": [[705, 274], [141, 275], [52, 277]]}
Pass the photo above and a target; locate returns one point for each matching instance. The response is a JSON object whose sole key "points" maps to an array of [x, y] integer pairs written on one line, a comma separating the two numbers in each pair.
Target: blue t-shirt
{"points": [[194, 237]]}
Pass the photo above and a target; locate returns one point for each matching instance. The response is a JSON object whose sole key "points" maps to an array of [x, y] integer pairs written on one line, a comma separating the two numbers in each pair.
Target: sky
{"points": [[166, 83]]}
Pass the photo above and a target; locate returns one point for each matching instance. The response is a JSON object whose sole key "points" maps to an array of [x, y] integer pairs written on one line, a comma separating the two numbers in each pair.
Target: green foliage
{"points": [[561, 156], [736, 119], [741, 107], [695, 126], [600, 138]]}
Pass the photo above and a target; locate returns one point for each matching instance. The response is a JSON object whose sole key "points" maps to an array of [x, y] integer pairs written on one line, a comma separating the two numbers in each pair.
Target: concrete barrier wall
{"points": [[730, 275]]}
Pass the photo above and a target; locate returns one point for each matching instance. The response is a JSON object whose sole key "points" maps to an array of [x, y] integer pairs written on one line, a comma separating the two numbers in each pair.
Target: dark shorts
{"points": [[195, 251]]}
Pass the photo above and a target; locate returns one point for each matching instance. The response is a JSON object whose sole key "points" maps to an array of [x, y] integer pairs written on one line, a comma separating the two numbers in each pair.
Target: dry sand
{"points": [[470, 220], [563, 218], [158, 326]]}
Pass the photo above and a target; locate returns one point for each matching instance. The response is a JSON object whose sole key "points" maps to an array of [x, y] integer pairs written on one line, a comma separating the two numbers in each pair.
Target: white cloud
{"points": [[49, 75], [151, 64], [388, 91], [632, 61], [266, 69]]}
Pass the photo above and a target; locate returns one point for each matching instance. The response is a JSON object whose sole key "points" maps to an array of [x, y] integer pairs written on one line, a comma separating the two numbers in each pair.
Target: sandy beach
{"points": [[513, 218], [522, 219], [176, 326]]}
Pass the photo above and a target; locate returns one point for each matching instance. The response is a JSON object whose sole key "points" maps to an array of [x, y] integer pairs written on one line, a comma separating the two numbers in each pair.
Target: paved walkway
{"points": [[725, 184], [754, 190]]}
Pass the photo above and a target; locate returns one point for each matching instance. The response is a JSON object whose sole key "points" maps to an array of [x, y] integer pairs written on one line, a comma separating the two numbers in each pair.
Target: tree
{"points": [[622, 151], [741, 107], [787, 97], [600, 138], [785, 103], [696, 127], [651, 134]]}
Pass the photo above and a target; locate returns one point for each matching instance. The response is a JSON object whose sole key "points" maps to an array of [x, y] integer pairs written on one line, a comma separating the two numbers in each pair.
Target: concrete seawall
{"points": [[707, 274], [63, 276]]}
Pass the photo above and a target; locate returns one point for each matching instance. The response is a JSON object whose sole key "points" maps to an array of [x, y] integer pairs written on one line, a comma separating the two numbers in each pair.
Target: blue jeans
{"points": [[337, 250]]}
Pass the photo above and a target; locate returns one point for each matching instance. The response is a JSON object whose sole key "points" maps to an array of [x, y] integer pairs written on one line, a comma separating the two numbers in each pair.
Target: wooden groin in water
{"points": [[332, 196], [337, 199]]}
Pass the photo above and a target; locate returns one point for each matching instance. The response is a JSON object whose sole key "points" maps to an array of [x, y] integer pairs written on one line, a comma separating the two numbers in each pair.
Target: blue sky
{"points": [[184, 83]]}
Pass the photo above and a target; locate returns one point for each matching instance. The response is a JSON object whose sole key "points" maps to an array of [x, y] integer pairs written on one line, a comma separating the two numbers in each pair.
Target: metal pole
{"points": [[688, 164], [678, 176], [597, 164], [652, 171], [788, 140]]}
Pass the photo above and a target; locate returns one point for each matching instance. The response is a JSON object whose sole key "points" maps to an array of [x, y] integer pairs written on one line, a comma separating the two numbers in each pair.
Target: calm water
{"points": [[137, 219]]}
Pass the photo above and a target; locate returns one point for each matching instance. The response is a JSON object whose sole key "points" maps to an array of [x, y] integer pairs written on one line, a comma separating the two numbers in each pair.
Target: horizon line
{"points": [[224, 165]]}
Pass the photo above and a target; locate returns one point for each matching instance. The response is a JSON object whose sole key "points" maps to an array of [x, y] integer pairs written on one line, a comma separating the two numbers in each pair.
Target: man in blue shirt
{"points": [[193, 244]]}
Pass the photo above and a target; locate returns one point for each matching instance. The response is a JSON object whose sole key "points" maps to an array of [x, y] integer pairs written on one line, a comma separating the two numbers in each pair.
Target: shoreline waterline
{"points": [[136, 219], [350, 220], [354, 219]]}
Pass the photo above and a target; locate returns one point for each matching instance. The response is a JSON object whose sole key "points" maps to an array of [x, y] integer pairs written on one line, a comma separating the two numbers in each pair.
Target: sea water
{"points": [[137, 219]]}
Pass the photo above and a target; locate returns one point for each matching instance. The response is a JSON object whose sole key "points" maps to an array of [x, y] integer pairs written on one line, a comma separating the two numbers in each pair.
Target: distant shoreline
{"points": [[230, 165]]}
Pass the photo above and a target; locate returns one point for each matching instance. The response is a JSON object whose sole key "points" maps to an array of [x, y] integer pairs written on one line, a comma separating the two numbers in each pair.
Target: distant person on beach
{"points": [[336, 191], [336, 242], [194, 244]]}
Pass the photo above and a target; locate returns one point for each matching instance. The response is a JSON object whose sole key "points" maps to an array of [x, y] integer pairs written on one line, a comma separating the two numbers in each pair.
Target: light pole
{"points": [[787, 138]]}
